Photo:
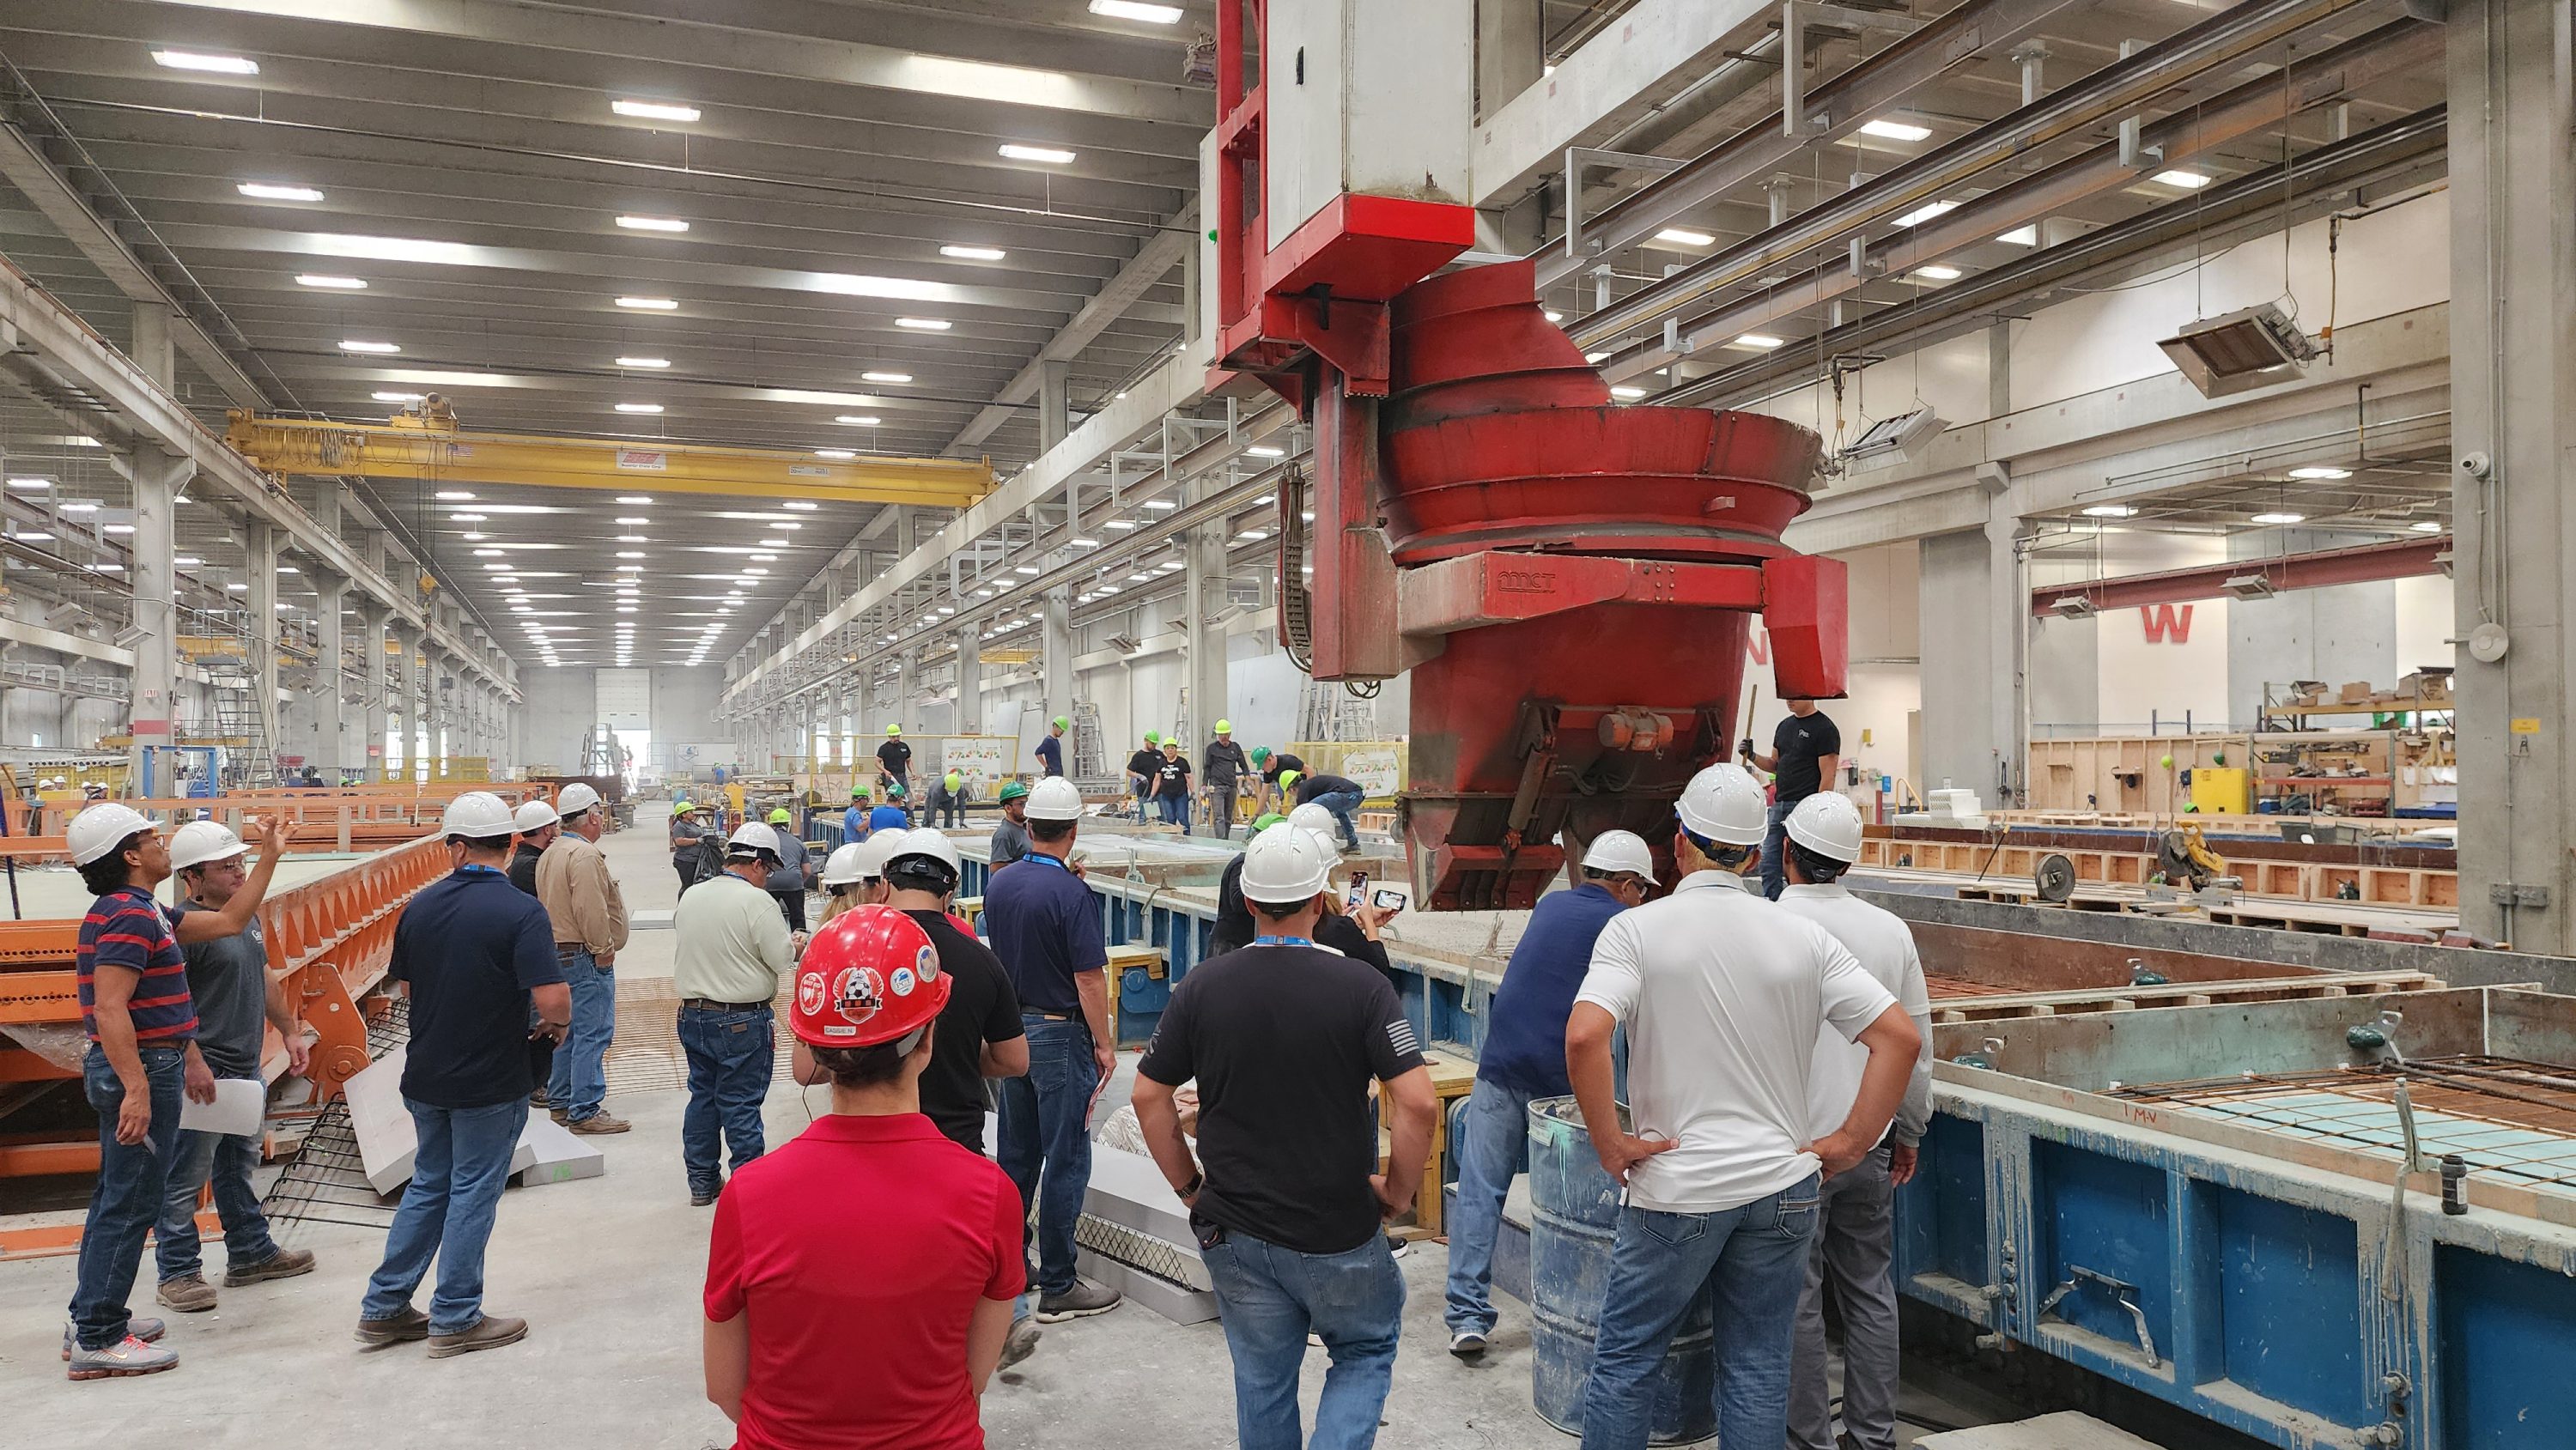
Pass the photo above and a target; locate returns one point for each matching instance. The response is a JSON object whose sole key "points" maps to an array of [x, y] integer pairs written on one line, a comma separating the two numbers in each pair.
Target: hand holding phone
{"points": [[1357, 891], [1387, 900]]}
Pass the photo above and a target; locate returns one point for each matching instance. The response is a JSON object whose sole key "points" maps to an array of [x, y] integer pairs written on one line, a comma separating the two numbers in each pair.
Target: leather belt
{"points": [[567, 950], [708, 1004]]}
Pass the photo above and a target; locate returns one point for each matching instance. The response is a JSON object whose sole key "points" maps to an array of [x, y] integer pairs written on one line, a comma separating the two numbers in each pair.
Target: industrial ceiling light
{"points": [[231, 65], [379, 349], [639, 407], [2181, 179], [1627, 394], [925, 324], [634, 498], [2426, 526], [974, 254], [2280, 518], [801, 505], [856, 420], [1050, 155], [271, 191], [652, 224], [1889, 439], [2073, 606], [1759, 340], [2254, 348], [2109, 511], [837, 455], [1137, 10], [393, 249], [885, 377], [1894, 130], [1264, 450], [1684, 237], [2321, 474], [654, 110], [453, 495], [2020, 236], [399, 397], [649, 304], [1938, 272], [2248, 586], [1926, 212], [643, 362], [337, 284]]}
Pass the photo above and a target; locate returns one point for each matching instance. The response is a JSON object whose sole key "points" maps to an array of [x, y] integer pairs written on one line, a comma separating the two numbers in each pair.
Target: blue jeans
{"points": [[228, 1161], [1751, 1262], [579, 1079], [1269, 1297], [457, 1175], [1775, 866], [1175, 809], [1045, 1146], [127, 1197], [1492, 1145], [1341, 803], [730, 1057]]}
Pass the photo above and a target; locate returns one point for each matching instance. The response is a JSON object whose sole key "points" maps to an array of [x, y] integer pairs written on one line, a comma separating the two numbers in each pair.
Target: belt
{"points": [[708, 1004], [567, 950]]}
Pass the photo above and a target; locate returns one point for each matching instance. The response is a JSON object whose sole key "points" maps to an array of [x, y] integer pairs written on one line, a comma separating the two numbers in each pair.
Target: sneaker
{"points": [[599, 1123], [409, 1325], [129, 1356], [284, 1264], [138, 1327], [1022, 1343], [1467, 1343], [189, 1294], [488, 1333], [1397, 1248], [1079, 1302]]}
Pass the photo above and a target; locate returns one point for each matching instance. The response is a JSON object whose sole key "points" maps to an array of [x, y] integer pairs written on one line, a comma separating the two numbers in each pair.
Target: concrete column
{"points": [[2513, 426], [398, 696], [157, 479], [1203, 597], [152, 349], [370, 736], [1055, 406], [1975, 620], [1511, 50], [970, 681], [1055, 656], [331, 689], [259, 554], [906, 666]]}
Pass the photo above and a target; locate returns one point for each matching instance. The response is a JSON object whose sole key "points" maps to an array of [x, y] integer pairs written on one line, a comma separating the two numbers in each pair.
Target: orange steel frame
{"points": [[362, 818]]}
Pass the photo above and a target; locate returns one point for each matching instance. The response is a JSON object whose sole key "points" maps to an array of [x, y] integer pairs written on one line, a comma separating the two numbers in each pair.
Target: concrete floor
{"points": [[608, 1271]]}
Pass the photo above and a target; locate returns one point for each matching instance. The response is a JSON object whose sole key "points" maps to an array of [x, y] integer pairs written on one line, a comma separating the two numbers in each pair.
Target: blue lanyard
{"points": [[486, 870], [1283, 941], [1050, 860]]}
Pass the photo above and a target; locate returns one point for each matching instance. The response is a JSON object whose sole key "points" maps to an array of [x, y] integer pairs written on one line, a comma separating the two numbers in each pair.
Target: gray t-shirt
{"points": [[228, 978], [788, 876], [1010, 841]]}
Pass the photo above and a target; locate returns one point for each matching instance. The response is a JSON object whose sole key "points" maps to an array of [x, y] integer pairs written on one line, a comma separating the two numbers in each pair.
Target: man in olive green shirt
{"points": [[734, 946]]}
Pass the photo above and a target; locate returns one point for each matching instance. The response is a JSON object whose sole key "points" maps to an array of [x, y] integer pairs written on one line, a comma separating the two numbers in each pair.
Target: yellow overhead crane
{"points": [[413, 447]]}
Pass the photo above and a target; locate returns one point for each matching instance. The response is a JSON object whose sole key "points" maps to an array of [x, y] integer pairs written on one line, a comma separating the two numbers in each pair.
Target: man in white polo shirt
{"points": [[1856, 1222], [1722, 994]]}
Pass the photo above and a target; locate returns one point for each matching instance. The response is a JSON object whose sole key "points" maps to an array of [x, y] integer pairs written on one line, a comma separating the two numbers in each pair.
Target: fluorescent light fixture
{"points": [[487, 553], [271, 191], [129, 528], [186, 561], [649, 304], [371, 348], [1937, 272], [1894, 130], [652, 224], [2321, 474], [773, 543], [91, 508], [1760, 340], [1682, 236], [974, 254], [1159, 504], [1264, 450], [630, 553], [2020, 236], [625, 519], [801, 505], [2426, 526], [654, 110], [1052, 156], [2280, 518], [324, 279], [1628, 394], [2187, 180], [453, 495], [632, 539], [1596, 357], [231, 65], [399, 397], [1122, 524], [925, 324], [1926, 212], [837, 454], [236, 587], [885, 377], [1084, 543], [2109, 511], [634, 498], [856, 420], [1137, 10], [1253, 535], [764, 558], [1552, 316], [392, 249], [639, 407], [643, 362]]}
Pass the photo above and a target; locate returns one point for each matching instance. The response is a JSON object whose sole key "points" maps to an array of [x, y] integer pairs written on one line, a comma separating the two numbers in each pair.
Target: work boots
{"points": [[488, 1332]]}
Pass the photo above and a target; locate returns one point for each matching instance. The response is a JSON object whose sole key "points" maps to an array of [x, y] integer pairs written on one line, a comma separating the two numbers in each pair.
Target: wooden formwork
{"points": [[1978, 1005], [2422, 887]]}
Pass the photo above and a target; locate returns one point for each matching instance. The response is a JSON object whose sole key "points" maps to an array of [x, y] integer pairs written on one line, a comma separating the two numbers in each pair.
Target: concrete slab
{"points": [[2065, 1430], [386, 1139], [556, 1154]]}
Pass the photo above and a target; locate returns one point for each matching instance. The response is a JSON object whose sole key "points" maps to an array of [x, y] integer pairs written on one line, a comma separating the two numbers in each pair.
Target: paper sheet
{"points": [[240, 1103]]}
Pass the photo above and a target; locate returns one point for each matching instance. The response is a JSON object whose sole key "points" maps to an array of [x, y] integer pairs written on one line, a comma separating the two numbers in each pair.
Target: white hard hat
{"points": [[199, 842], [575, 797], [927, 842], [876, 848], [753, 836], [841, 868], [477, 815], [534, 816], [1725, 805], [1054, 799], [1616, 851], [1828, 824], [1286, 864], [1315, 818], [100, 829]]}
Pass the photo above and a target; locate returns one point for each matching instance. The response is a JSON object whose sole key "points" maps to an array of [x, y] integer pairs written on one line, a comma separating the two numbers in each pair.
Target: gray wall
{"points": [[563, 704]]}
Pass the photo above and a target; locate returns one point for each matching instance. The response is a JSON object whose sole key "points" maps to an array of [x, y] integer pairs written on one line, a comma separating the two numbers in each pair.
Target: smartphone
{"points": [[1386, 900], [1358, 891]]}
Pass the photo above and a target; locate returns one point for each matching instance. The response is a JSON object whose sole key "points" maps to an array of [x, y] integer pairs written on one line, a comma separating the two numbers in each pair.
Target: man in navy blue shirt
{"points": [[1045, 927], [477, 954], [1051, 747], [1524, 1058]]}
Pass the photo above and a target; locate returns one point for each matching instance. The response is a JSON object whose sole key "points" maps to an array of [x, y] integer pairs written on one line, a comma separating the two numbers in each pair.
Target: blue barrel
{"points": [[1574, 1220]]}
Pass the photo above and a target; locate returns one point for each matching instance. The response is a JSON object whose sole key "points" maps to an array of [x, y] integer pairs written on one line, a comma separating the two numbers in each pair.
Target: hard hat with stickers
{"points": [[869, 976]]}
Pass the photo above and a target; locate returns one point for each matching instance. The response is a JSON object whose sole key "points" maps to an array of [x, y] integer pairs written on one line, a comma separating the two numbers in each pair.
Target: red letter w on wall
{"points": [[2163, 623]]}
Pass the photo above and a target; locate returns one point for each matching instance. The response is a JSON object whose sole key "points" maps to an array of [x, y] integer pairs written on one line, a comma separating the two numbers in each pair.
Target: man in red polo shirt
{"points": [[860, 1280]]}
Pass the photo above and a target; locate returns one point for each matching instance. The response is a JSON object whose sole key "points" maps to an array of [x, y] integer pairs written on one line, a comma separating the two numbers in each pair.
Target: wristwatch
{"points": [[1190, 1190]]}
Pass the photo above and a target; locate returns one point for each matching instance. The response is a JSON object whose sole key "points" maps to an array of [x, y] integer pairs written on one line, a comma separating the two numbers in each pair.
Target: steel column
{"points": [[157, 478]]}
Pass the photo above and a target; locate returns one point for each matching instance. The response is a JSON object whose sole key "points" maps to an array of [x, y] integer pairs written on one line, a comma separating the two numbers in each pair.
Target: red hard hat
{"points": [[870, 976]]}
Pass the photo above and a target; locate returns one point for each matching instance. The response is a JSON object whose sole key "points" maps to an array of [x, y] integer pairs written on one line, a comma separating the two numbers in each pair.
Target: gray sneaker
{"points": [[1079, 1302], [130, 1356], [138, 1327], [1022, 1343], [189, 1294]]}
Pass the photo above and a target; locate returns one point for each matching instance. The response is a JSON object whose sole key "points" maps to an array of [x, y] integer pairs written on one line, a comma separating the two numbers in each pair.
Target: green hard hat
{"points": [[956, 780], [1260, 754], [1153, 737], [1266, 822], [1012, 790], [780, 816], [894, 790], [1225, 727], [680, 807], [858, 792], [894, 730], [1288, 778], [1062, 723]]}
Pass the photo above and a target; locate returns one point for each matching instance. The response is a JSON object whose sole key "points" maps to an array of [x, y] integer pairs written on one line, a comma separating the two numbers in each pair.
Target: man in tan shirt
{"points": [[589, 919]]}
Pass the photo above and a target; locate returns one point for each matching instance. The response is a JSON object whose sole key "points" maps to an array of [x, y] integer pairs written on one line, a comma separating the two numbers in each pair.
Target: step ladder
{"points": [[1327, 711], [240, 715], [1089, 763]]}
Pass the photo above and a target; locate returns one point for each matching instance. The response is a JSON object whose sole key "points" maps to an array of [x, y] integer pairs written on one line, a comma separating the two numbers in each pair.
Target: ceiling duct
{"points": [[2255, 348]]}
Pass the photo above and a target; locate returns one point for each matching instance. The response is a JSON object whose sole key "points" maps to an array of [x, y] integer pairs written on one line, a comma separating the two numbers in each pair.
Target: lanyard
{"points": [[1283, 941], [471, 867], [1050, 860]]}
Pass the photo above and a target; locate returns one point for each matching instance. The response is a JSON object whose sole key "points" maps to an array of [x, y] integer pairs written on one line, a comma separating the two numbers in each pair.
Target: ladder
{"points": [[1088, 763], [1181, 722], [1327, 711], [251, 764]]}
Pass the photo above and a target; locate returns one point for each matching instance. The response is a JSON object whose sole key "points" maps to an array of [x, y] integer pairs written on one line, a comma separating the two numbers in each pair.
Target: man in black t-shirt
{"points": [[1806, 751], [1172, 786], [894, 761], [1144, 770], [1284, 1038]]}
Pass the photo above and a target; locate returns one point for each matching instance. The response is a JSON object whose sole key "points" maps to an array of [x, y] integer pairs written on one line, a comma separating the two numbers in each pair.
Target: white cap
{"points": [[1286, 864], [925, 841], [1313, 817], [841, 868], [1723, 804], [477, 815], [534, 816], [753, 836], [1616, 851], [99, 829], [1828, 824], [199, 842], [575, 797], [1054, 799]]}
